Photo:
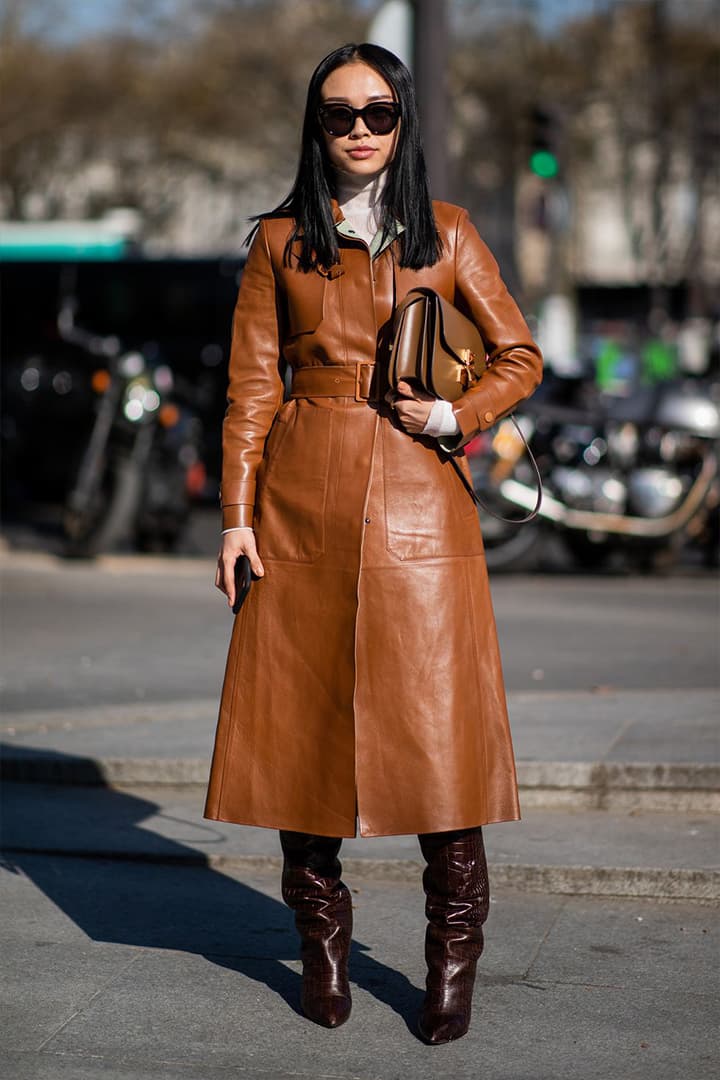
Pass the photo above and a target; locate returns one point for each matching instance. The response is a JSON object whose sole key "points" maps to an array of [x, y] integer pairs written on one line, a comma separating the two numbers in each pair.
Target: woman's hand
{"points": [[412, 406], [234, 544]]}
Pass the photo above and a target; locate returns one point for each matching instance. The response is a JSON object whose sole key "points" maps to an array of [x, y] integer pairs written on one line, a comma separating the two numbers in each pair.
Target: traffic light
{"points": [[544, 132]]}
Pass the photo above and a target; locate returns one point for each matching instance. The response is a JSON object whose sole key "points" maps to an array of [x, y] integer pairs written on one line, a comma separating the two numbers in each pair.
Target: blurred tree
{"points": [[654, 76], [634, 90], [191, 111], [213, 94], [61, 106]]}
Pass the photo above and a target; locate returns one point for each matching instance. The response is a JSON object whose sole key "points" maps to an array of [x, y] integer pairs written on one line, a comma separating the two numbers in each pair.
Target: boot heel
{"points": [[326, 989], [446, 1011]]}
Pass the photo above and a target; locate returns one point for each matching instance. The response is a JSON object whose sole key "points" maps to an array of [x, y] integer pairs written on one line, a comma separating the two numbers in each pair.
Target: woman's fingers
{"points": [[250, 549], [417, 393], [414, 417], [234, 544], [224, 580], [413, 414], [411, 405]]}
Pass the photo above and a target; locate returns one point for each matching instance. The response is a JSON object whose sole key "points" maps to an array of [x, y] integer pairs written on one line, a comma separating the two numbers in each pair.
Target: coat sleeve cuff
{"points": [[474, 412], [237, 514], [240, 491]]}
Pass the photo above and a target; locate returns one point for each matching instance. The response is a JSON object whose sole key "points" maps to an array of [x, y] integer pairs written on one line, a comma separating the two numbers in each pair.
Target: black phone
{"points": [[243, 581]]}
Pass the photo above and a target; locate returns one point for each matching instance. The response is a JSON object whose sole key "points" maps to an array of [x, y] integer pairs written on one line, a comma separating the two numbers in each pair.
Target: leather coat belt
{"points": [[336, 380]]}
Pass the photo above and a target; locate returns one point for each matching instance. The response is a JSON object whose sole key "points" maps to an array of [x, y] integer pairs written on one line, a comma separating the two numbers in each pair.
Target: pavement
{"points": [[148, 943]]}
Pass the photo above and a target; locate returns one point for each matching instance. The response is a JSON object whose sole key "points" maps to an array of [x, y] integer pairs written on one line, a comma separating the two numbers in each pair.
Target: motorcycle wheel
{"points": [[110, 522], [510, 548]]}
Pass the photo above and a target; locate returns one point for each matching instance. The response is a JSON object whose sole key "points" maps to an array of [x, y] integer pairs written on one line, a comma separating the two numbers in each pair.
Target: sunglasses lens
{"points": [[340, 119], [337, 120], [381, 119]]}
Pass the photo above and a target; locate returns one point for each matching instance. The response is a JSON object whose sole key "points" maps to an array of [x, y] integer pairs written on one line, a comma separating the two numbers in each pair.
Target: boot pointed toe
{"points": [[435, 1030], [329, 1012]]}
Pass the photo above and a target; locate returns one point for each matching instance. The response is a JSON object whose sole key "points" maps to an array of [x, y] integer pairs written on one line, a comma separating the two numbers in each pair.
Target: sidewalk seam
{"points": [[560, 909], [84, 1006]]}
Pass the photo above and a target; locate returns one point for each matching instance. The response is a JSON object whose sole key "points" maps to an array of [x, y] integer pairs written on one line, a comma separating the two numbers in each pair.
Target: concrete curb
{"points": [[686, 787], [184, 565], [649, 882], [202, 566]]}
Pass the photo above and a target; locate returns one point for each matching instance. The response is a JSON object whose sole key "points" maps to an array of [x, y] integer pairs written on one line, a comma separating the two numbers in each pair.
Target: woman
{"points": [[363, 680]]}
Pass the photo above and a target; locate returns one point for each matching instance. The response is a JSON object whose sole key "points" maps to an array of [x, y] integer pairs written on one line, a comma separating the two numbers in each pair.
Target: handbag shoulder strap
{"points": [[509, 521]]}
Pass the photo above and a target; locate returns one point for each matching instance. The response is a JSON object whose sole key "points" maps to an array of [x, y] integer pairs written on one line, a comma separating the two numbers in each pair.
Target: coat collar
{"points": [[377, 244]]}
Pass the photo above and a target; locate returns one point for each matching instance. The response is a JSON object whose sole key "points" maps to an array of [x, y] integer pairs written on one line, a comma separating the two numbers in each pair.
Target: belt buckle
{"points": [[360, 365]]}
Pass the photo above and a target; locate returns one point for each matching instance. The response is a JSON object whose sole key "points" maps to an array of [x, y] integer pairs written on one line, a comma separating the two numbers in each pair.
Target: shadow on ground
{"points": [[144, 896]]}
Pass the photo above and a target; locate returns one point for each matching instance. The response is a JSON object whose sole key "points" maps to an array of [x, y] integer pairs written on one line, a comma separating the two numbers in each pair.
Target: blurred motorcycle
{"points": [[141, 466], [636, 475]]}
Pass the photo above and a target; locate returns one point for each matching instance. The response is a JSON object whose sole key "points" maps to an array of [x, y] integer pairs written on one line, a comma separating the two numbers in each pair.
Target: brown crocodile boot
{"points": [[312, 888], [457, 902]]}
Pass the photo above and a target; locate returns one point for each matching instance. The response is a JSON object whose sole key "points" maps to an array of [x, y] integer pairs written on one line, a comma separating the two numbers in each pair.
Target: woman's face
{"points": [[359, 153]]}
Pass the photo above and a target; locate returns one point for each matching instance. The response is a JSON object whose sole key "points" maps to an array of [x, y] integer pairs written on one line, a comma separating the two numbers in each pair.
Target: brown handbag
{"points": [[437, 347]]}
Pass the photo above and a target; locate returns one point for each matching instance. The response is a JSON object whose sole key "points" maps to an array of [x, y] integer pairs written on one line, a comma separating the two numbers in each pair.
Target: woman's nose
{"points": [[359, 129]]}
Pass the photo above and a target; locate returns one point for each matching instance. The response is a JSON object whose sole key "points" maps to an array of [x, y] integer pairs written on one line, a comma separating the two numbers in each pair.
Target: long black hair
{"points": [[406, 195]]}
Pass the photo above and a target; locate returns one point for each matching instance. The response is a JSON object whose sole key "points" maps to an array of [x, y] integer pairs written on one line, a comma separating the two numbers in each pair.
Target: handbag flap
{"points": [[435, 344], [459, 334]]}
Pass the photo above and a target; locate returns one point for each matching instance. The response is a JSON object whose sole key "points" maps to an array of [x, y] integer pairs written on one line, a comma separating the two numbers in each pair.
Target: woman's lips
{"points": [[361, 152]]}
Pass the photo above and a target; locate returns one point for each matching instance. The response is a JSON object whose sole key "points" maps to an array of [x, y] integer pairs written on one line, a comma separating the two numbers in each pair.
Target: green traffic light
{"points": [[544, 163]]}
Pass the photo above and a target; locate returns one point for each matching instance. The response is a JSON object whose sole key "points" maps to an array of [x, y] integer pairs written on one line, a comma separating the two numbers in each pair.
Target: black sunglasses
{"points": [[380, 118]]}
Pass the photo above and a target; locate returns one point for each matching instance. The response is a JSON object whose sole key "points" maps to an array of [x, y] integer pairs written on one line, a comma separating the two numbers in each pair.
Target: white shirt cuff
{"points": [[441, 420], [235, 529]]}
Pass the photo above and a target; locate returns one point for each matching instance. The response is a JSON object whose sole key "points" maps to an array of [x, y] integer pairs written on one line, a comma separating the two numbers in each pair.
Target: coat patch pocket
{"points": [[292, 492], [428, 512]]}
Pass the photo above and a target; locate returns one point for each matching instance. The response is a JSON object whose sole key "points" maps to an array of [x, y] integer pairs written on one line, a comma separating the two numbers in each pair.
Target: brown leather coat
{"points": [[363, 680]]}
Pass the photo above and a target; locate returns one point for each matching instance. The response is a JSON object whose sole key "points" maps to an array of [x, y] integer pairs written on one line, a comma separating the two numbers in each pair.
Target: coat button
{"points": [[489, 417], [367, 521]]}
